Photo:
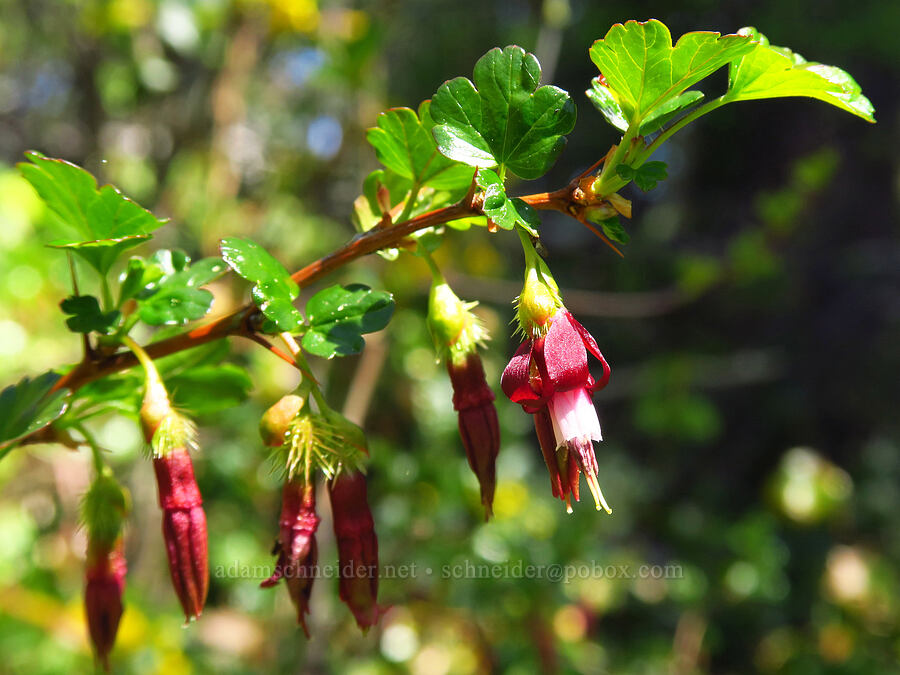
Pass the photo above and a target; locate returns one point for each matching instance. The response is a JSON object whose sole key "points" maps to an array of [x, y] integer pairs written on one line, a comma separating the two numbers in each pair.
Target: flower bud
{"points": [[103, 588], [478, 426], [184, 529], [357, 545], [104, 509], [276, 420], [457, 332], [296, 546], [539, 299]]}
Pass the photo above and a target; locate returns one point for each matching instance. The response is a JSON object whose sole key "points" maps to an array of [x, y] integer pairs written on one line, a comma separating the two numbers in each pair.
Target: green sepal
{"points": [[104, 508]]}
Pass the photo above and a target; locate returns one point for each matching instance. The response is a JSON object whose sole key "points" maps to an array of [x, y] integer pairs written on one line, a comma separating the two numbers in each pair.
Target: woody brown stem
{"points": [[244, 322]]}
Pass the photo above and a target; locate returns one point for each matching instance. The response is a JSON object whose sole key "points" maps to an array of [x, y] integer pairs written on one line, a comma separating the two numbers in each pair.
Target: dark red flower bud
{"points": [[357, 545], [478, 426], [296, 546], [184, 529], [104, 584]]}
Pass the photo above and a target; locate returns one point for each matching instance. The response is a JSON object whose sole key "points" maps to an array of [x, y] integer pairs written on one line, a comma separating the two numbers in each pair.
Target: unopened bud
{"points": [[357, 545], [276, 421]]}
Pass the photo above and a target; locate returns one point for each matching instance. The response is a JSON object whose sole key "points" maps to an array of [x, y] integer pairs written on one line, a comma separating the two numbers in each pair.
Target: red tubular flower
{"points": [[296, 547], [104, 584], [548, 376], [357, 545], [478, 426], [184, 529]]}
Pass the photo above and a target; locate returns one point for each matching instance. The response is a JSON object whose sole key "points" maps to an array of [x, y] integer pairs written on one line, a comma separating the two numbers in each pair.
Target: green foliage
{"points": [[29, 406], [645, 176], [274, 291], [503, 120], [87, 317], [205, 389], [504, 212], [644, 71], [772, 72], [340, 315], [97, 224], [612, 228], [404, 144], [170, 292]]}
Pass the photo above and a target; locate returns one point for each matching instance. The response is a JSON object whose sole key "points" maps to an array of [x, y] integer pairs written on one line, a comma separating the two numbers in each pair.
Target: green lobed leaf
{"points": [[503, 211], [98, 224], [612, 228], [87, 317], [503, 119], [29, 406], [171, 293], [771, 72], [645, 176], [643, 70], [404, 144], [340, 315], [274, 291]]}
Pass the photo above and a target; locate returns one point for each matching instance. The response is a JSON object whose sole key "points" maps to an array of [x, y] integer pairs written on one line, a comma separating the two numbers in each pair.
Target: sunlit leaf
{"points": [[643, 70], [340, 315], [274, 291], [772, 72], [503, 211], [97, 224], [503, 119]]}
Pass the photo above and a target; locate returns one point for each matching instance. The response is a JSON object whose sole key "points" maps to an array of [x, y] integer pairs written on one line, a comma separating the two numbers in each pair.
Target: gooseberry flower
{"points": [[296, 546], [457, 332], [549, 377], [357, 546]]}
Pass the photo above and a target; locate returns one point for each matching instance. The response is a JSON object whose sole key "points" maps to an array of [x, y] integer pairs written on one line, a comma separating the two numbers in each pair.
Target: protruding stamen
{"points": [[599, 500], [569, 504]]}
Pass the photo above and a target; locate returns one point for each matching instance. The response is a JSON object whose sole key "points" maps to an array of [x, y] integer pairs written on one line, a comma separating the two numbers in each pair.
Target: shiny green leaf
{"points": [[773, 72], [340, 315], [274, 291], [404, 144], [643, 70], [29, 406], [176, 297], [506, 213], [97, 224], [503, 119]]}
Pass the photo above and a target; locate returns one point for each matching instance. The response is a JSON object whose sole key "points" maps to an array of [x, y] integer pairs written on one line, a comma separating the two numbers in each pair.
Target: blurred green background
{"points": [[753, 444]]}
